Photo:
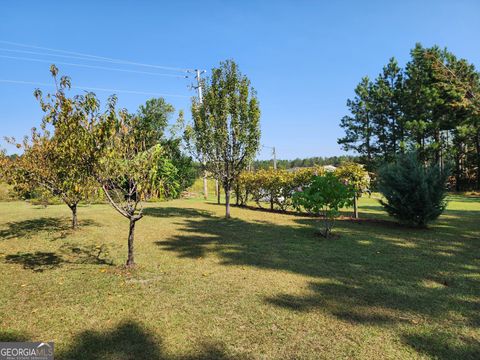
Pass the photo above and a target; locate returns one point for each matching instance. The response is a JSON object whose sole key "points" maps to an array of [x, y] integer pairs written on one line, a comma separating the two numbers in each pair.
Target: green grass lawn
{"points": [[261, 285]]}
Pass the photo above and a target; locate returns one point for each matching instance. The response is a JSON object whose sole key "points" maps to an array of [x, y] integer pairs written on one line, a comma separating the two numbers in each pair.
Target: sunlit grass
{"points": [[261, 285]]}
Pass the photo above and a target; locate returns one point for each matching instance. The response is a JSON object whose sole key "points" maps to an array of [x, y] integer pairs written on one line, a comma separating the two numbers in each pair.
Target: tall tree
{"points": [[459, 83], [388, 121], [424, 111], [359, 126], [226, 125]]}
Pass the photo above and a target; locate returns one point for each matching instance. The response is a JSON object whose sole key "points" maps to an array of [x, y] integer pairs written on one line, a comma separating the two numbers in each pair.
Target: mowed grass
{"points": [[260, 286]]}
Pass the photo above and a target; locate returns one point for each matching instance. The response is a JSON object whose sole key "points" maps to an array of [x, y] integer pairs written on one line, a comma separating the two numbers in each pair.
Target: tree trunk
{"points": [[218, 191], [205, 185], [438, 150], [237, 194], [355, 206], [74, 216], [227, 203], [457, 173], [478, 158], [131, 234]]}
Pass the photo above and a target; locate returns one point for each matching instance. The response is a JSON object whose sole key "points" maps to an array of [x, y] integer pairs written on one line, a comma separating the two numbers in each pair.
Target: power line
{"points": [[118, 61], [59, 55], [90, 66], [93, 88]]}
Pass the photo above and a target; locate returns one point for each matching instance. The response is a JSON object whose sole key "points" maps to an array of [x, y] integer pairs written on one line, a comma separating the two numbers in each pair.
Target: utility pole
{"points": [[274, 158], [198, 77], [198, 74], [274, 155]]}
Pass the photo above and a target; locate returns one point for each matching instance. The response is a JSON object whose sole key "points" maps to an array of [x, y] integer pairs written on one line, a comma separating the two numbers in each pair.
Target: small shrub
{"points": [[325, 196], [414, 192], [355, 175]]}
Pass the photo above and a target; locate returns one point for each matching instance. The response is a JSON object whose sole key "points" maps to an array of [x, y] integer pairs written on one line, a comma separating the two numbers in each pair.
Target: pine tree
{"points": [[414, 193], [359, 126]]}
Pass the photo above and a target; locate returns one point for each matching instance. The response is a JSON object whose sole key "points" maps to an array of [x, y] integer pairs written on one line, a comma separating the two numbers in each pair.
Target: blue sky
{"points": [[304, 58]]}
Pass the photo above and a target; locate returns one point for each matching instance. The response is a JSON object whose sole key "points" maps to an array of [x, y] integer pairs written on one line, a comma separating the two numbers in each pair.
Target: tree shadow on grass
{"points": [[410, 273], [57, 227], [130, 341], [176, 212], [13, 336], [452, 222], [443, 346], [40, 261], [372, 274]]}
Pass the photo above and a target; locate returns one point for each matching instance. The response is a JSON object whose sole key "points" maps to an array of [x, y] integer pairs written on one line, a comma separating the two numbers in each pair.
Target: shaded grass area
{"points": [[129, 340], [260, 285]]}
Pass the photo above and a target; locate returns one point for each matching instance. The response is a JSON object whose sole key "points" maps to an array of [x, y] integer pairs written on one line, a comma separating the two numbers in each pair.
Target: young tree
{"points": [[414, 192], [226, 125], [357, 177], [324, 196], [60, 161], [129, 172]]}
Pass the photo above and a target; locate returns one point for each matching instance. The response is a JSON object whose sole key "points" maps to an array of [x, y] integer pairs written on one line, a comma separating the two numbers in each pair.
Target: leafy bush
{"points": [[414, 192], [277, 186], [325, 196], [7, 193]]}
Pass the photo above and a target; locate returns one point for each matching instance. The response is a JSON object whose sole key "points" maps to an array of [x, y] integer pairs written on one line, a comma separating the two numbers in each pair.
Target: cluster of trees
{"points": [[413, 192], [279, 187], [274, 186], [306, 162], [431, 106], [80, 150]]}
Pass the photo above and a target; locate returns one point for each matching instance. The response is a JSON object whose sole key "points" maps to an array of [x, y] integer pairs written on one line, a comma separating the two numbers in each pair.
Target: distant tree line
{"points": [[306, 162], [431, 106]]}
